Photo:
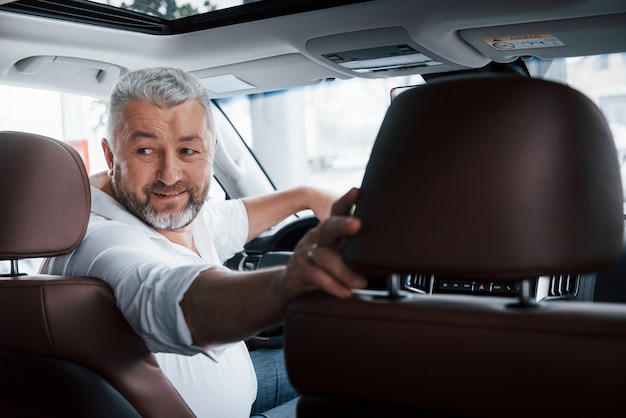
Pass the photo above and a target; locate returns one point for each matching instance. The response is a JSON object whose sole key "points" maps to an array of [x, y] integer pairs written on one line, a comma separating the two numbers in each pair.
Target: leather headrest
{"points": [[45, 198], [495, 178]]}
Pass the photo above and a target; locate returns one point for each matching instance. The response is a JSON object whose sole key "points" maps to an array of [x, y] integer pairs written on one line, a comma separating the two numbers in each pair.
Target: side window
{"points": [[77, 120]]}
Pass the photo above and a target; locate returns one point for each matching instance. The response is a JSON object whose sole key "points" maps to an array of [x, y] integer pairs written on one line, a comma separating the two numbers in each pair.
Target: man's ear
{"points": [[213, 152], [108, 152]]}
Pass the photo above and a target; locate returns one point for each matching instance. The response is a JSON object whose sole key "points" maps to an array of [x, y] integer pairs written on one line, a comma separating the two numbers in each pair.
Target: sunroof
{"points": [[174, 9], [165, 17]]}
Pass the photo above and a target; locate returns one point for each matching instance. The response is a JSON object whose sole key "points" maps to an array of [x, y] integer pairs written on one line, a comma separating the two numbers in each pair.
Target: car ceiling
{"points": [[296, 49]]}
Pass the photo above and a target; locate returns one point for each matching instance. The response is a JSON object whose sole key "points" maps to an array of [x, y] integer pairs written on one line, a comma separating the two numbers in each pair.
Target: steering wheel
{"points": [[286, 238]]}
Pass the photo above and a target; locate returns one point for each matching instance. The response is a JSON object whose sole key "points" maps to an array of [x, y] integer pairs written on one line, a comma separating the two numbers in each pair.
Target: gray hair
{"points": [[162, 87]]}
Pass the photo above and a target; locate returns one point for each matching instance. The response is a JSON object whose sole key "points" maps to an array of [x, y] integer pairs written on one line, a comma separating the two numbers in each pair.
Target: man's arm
{"points": [[267, 210], [223, 306]]}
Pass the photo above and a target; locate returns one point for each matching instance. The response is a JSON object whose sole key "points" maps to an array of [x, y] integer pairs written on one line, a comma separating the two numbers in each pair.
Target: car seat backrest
{"points": [[65, 348]]}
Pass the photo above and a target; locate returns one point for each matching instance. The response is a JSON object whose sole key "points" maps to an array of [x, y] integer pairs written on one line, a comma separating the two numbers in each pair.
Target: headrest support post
{"points": [[393, 286], [15, 271], [526, 299]]}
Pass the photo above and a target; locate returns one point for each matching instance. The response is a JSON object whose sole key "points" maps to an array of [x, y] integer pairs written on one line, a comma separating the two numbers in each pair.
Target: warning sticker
{"points": [[523, 42]]}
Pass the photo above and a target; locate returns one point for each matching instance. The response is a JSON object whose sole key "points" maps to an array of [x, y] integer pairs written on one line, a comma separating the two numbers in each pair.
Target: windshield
{"points": [[320, 135]]}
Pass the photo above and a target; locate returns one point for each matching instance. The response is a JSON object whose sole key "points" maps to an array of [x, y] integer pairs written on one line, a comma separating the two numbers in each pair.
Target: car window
{"points": [[319, 135], [77, 120], [174, 10]]}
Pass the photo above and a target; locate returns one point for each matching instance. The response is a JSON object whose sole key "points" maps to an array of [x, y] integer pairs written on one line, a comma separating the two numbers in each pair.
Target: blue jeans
{"points": [[276, 398]]}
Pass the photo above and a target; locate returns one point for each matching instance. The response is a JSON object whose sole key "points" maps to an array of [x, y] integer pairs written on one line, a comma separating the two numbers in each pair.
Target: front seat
{"points": [[477, 181], [65, 348]]}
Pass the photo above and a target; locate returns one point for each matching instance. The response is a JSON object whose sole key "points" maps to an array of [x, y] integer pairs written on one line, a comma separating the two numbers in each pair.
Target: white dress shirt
{"points": [[149, 275]]}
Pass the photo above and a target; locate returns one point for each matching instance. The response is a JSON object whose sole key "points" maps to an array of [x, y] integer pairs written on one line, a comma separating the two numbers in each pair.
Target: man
{"points": [[159, 243]]}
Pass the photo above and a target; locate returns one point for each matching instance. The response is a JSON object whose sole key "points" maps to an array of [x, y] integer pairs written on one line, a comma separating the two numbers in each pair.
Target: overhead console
{"points": [[384, 52]]}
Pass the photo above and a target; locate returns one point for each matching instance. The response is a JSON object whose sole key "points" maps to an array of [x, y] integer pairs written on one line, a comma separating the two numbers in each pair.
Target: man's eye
{"points": [[144, 151], [187, 151]]}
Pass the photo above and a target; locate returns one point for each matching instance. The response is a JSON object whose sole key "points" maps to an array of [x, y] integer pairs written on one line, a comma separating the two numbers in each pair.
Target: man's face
{"points": [[163, 163]]}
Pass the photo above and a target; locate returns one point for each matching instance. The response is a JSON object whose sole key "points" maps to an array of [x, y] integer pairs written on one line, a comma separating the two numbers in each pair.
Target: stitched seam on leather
{"points": [[42, 295]]}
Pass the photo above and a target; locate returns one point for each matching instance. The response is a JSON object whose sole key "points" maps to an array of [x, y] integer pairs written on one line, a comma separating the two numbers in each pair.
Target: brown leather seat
{"points": [[65, 349], [480, 179]]}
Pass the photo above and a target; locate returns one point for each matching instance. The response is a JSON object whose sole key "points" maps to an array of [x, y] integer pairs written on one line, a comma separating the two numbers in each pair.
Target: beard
{"points": [[145, 211]]}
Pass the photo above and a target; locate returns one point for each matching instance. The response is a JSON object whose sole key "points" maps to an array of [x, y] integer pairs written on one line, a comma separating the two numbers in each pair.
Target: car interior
{"points": [[491, 197], [411, 354]]}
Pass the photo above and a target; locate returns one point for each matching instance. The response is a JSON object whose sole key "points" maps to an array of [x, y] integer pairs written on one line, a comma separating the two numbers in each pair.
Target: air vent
{"points": [[563, 286], [418, 283], [546, 287]]}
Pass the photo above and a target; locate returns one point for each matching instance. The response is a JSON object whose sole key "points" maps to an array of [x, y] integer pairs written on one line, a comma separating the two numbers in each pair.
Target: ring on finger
{"points": [[309, 253]]}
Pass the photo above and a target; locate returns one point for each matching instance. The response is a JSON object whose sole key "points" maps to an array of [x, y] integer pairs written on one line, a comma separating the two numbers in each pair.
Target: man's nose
{"points": [[170, 170]]}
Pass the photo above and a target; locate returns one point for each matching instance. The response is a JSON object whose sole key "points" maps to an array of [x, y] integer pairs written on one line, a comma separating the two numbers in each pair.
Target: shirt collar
{"points": [[104, 205]]}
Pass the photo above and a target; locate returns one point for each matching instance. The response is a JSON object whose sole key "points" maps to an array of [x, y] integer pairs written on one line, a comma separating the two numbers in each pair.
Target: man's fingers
{"points": [[317, 258], [334, 268], [332, 231], [344, 205]]}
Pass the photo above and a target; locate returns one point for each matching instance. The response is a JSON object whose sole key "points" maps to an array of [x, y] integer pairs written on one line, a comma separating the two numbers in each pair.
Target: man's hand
{"points": [[223, 306], [321, 203], [316, 262]]}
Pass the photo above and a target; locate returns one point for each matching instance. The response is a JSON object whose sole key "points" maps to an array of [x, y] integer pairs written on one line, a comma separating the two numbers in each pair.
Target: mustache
{"points": [[161, 188]]}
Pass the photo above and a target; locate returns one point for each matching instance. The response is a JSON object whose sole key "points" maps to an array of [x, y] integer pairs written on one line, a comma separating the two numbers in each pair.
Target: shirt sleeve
{"points": [[147, 290]]}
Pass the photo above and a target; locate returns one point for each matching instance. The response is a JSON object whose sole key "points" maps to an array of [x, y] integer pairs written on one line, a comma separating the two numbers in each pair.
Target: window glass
{"points": [[320, 135], [171, 9], [77, 120]]}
